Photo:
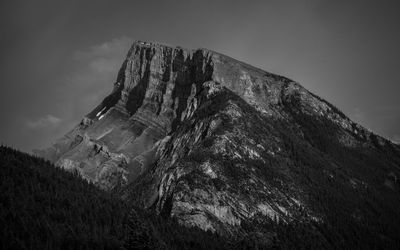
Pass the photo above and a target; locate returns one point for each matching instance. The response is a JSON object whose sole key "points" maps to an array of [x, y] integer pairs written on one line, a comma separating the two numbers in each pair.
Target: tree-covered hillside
{"points": [[44, 207]]}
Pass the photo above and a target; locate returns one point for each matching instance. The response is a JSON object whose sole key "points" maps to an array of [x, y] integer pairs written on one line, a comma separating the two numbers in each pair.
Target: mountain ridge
{"points": [[215, 143]]}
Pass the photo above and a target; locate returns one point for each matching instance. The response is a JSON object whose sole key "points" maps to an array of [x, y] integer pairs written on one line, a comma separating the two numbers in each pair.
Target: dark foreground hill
{"points": [[220, 145], [44, 207]]}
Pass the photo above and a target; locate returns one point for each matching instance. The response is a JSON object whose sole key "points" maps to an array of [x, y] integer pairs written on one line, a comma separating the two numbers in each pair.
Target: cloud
{"points": [[104, 65], [98, 65], [101, 61], [43, 122], [92, 77], [86, 79], [117, 47]]}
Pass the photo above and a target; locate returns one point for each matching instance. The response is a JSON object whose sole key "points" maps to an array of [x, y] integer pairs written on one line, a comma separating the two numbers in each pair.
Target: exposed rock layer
{"points": [[216, 142]]}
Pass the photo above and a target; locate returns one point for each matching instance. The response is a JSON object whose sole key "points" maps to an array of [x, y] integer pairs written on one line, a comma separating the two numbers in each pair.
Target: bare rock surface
{"points": [[215, 142]]}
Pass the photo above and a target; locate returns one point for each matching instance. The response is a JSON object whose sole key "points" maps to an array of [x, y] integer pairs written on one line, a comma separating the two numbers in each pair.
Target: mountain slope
{"points": [[43, 207], [217, 143]]}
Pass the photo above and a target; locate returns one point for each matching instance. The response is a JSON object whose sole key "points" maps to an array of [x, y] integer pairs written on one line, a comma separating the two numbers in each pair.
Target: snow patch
{"points": [[101, 111]]}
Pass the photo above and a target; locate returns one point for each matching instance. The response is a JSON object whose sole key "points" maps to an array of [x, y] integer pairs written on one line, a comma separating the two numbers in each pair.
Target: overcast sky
{"points": [[59, 59]]}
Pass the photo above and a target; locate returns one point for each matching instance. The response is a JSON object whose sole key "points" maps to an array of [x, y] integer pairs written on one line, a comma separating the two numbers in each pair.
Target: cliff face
{"points": [[216, 143], [117, 140]]}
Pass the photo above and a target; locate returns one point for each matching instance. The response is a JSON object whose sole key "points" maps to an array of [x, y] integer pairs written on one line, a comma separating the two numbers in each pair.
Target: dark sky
{"points": [[60, 58]]}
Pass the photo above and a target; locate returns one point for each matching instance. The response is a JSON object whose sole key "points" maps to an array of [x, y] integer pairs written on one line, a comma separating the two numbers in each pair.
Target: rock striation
{"points": [[216, 143]]}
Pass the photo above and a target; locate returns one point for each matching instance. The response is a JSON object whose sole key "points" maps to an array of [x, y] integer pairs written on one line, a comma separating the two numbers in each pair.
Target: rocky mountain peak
{"points": [[216, 143]]}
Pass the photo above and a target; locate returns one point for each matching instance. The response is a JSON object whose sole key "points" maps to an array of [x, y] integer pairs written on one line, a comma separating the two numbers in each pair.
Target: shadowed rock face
{"points": [[117, 140], [215, 143]]}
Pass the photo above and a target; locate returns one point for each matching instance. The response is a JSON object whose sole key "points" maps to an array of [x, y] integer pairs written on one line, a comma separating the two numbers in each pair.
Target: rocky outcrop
{"points": [[116, 141], [215, 142]]}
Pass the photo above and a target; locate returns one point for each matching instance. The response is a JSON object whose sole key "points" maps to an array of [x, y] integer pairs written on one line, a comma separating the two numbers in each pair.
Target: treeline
{"points": [[345, 184], [44, 207]]}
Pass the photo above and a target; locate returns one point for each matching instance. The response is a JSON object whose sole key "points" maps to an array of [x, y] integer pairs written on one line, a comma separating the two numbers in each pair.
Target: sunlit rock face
{"points": [[117, 141], [216, 143]]}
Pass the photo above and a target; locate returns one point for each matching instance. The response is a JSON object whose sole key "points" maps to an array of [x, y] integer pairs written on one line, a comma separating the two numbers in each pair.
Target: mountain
{"points": [[224, 146]]}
